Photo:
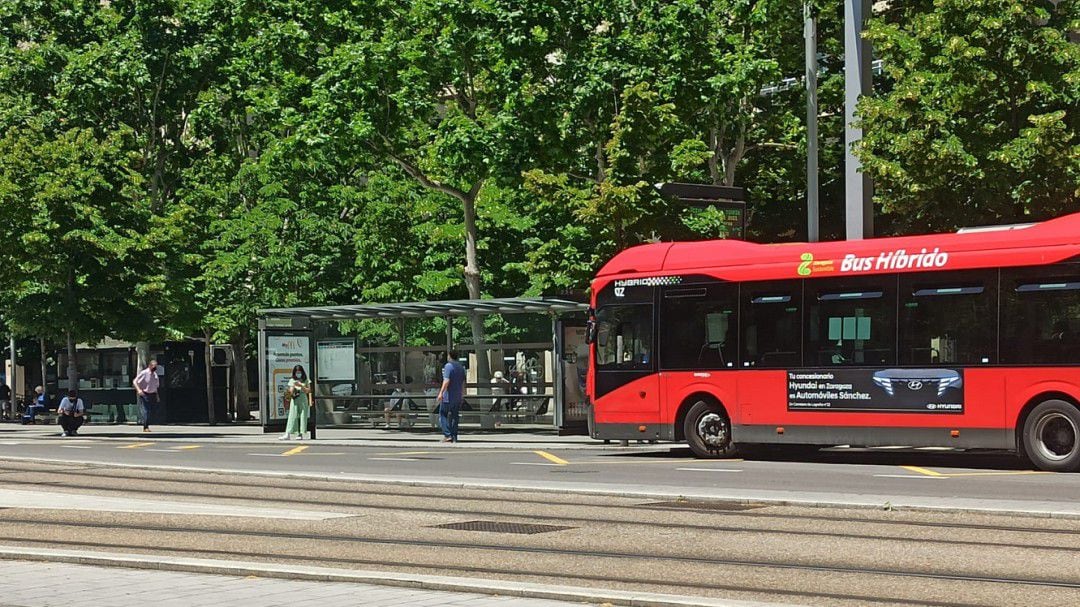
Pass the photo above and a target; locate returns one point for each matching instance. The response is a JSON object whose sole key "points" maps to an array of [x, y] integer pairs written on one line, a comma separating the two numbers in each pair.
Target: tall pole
{"points": [[812, 212], [858, 190], [11, 375]]}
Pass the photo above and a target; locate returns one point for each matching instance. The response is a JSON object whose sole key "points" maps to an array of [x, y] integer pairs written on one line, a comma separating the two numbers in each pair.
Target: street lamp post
{"points": [[813, 213], [858, 189]]}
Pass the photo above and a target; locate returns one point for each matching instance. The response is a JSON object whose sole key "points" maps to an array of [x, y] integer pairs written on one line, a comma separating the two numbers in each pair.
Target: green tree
{"points": [[73, 216], [978, 122]]}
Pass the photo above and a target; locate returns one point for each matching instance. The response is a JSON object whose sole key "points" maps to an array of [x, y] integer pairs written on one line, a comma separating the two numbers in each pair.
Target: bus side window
{"points": [[699, 327], [624, 337], [852, 321], [1040, 315], [771, 319], [945, 318]]}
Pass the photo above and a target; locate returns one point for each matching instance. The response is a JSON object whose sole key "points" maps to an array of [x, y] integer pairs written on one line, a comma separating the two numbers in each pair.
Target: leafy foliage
{"points": [[980, 123], [173, 166]]}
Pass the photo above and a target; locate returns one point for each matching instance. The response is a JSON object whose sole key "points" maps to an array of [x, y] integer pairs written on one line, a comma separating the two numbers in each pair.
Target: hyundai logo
{"points": [[914, 385]]}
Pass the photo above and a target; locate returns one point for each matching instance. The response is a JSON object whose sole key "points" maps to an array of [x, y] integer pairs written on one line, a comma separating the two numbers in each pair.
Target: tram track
{"points": [[689, 548], [636, 581], [516, 499], [532, 517]]}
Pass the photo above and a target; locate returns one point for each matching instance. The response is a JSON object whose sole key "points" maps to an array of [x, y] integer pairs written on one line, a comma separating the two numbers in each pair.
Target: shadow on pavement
{"points": [[979, 460]]}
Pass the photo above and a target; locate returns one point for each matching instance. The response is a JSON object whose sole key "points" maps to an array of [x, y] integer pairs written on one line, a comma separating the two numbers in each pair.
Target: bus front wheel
{"points": [[707, 430], [1052, 436]]}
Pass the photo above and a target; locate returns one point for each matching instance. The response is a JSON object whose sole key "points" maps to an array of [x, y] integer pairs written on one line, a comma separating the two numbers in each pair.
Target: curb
{"points": [[864, 502], [422, 441], [381, 578]]}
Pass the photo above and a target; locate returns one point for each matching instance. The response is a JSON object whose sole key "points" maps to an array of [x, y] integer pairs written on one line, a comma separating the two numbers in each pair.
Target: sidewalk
{"points": [[51, 577], [253, 434], [48, 584]]}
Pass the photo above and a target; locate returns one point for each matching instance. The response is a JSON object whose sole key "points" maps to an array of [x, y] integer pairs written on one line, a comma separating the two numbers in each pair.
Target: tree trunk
{"points": [[209, 378], [732, 161], [472, 284], [44, 362], [142, 355], [240, 377], [73, 365], [714, 157]]}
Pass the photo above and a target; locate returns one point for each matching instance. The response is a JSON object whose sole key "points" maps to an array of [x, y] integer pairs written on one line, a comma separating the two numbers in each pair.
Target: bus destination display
{"points": [[887, 390]]}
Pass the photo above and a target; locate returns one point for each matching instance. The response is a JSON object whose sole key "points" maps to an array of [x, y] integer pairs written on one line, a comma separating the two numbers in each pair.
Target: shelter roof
{"points": [[429, 309]]}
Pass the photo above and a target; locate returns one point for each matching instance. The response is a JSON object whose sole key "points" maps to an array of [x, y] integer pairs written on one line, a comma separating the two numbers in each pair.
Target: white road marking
{"points": [[162, 450], [535, 464], [708, 469], [75, 447], [393, 459]]}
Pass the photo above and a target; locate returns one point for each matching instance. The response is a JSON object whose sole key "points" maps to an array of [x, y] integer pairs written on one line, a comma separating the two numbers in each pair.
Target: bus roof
{"points": [[1040, 243]]}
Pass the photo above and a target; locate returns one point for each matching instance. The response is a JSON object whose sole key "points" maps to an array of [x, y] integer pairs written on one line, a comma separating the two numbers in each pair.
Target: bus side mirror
{"points": [[590, 332]]}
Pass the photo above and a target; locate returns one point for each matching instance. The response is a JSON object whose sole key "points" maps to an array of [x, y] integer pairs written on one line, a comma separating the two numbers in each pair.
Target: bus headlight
{"points": [[885, 384]]}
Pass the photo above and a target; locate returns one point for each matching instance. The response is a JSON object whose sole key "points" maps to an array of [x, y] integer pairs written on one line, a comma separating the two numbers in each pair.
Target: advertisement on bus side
{"points": [[882, 390]]}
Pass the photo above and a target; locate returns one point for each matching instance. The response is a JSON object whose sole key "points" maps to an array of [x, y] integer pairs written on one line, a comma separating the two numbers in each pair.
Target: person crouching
{"points": [[72, 413]]}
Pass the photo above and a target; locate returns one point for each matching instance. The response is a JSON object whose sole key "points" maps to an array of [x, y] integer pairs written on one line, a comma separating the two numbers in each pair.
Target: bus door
{"points": [[626, 385]]}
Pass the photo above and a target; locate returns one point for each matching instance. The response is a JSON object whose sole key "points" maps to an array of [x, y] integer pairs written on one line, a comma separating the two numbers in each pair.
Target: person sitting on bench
{"points": [[72, 413], [40, 404]]}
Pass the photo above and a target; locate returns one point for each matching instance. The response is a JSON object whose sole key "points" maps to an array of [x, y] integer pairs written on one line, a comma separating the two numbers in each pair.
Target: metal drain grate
{"points": [[703, 505], [501, 527]]}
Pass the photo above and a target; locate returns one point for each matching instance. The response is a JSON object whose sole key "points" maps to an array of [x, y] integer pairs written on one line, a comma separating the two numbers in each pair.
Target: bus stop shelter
{"points": [[380, 365]]}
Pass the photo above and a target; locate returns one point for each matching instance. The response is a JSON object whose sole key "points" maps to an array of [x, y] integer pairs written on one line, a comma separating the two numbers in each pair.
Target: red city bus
{"points": [[967, 340]]}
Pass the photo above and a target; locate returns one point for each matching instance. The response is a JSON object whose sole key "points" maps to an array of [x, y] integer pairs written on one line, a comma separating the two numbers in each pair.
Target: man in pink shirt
{"points": [[146, 386]]}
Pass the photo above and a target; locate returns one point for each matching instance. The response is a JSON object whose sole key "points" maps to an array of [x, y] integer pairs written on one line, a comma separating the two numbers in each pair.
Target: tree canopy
{"points": [[169, 167]]}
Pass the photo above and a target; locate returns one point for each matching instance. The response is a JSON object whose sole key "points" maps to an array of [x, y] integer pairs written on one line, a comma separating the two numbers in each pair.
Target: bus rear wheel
{"points": [[707, 430], [1052, 436]]}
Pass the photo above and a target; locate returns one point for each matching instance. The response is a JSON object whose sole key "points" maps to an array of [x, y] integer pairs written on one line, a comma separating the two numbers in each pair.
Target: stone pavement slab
{"points": [[139, 573], [108, 587]]}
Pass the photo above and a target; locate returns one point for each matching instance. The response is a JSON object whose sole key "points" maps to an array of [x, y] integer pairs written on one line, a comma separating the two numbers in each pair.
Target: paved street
{"points": [[601, 549], [913, 478], [542, 518]]}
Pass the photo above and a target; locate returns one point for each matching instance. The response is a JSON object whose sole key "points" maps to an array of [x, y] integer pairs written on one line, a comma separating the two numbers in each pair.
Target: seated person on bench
{"points": [[40, 404], [398, 403], [72, 413]]}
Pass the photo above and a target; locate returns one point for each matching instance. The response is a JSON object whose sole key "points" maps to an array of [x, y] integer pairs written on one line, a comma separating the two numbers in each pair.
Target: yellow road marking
{"points": [[187, 447], [925, 471], [295, 450], [135, 445], [552, 458]]}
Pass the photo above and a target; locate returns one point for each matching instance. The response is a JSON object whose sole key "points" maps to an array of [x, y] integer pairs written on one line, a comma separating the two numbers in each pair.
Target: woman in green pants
{"points": [[298, 399]]}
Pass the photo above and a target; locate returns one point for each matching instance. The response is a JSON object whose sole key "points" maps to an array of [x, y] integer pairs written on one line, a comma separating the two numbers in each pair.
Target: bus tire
{"points": [[707, 430], [1052, 436]]}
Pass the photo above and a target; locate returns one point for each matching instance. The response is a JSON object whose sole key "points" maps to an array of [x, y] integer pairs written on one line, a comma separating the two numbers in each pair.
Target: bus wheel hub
{"points": [[712, 430], [1057, 436]]}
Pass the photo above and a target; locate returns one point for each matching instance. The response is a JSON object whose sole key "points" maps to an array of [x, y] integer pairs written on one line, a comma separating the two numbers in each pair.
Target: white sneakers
{"points": [[285, 437]]}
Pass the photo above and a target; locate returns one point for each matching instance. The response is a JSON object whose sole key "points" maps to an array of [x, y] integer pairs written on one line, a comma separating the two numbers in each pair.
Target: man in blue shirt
{"points": [[450, 397]]}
